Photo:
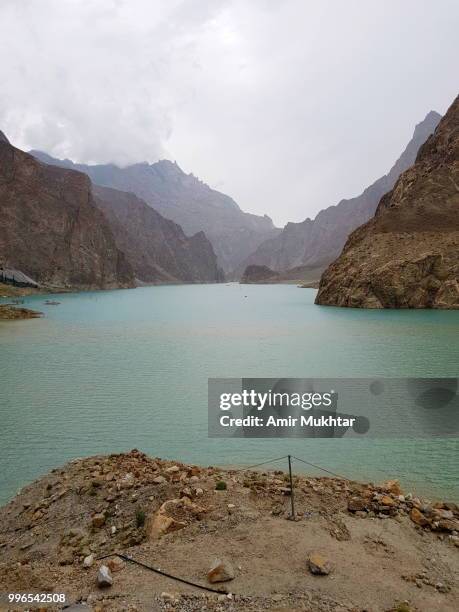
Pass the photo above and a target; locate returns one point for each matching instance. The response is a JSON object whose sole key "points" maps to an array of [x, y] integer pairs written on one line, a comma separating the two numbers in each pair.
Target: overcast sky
{"points": [[286, 105]]}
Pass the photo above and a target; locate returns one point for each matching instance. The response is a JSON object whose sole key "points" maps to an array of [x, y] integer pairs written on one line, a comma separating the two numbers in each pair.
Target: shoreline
{"points": [[13, 312], [180, 517]]}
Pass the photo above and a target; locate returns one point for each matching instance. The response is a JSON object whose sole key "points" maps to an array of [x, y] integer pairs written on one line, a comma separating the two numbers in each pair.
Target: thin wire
{"points": [[161, 573], [321, 468], [264, 463]]}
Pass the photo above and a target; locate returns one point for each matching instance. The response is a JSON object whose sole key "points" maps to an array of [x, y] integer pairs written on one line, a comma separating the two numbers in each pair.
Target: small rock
{"points": [[104, 577], [220, 571], [173, 469], [392, 486], [66, 556], [386, 500], [417, 517], [98, 520], [318, 564], [356, 504], [448, 525], [88, 561], [159, 480], [116, 564], [169, 597]]}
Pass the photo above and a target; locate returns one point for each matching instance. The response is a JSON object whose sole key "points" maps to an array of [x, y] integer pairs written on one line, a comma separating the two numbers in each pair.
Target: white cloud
{"points": [[287, 106]]}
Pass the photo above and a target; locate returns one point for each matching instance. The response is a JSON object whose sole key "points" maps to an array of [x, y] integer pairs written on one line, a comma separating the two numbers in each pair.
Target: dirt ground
{"points": [[384, 550]]}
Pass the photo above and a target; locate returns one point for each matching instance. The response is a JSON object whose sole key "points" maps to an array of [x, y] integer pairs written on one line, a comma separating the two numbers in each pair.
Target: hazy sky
{"points": [[286, 105]]}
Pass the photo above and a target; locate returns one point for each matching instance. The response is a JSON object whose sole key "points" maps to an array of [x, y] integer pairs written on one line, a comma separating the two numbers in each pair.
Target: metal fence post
{"points": [[292, 501]]}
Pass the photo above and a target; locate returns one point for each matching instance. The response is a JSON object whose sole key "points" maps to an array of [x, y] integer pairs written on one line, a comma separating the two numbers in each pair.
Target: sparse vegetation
{"points": [[140, 518]]}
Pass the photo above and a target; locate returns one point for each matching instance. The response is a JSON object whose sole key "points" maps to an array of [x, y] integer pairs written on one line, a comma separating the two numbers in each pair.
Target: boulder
{"points": [[220, 571], [318, 564], [104, 577]]}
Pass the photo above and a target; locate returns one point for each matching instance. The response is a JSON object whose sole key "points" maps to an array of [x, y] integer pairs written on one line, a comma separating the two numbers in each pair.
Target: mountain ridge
{"points": [[406, 256], [51, 229], [317, 242], [187, 201]]}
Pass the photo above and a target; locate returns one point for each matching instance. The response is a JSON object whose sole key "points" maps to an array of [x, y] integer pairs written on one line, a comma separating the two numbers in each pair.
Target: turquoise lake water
{"points": [[110, 371]]}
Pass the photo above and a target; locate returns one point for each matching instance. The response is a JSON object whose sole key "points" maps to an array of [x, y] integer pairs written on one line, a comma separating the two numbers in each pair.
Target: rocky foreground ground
{"points": [[351, 546]]}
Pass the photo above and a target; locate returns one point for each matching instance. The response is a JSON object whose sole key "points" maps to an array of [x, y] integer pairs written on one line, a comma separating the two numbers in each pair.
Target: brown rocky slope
{"points": [[186, 200], [157, 249], [351, 546], [50, 228], [407, 256]]}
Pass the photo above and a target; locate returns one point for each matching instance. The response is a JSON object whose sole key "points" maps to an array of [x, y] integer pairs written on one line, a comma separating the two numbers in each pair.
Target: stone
{"points": [[104, 577], [163, 524], [417, 517], [220, 571], [172, 470], [356, 504], [66, 556], [318, 564], [116, 564], [159, 480], [169, 597], [448, 525], [88, 561], [392, 486], [98, 520], [444, 514], [386, 500]]}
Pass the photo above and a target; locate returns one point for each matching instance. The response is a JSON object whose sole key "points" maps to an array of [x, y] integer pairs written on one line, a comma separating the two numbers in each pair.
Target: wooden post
{"points": [[292, 516]]}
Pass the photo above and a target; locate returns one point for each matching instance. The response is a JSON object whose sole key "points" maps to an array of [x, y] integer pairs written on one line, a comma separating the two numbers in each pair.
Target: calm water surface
{"points": [[110, 371]]}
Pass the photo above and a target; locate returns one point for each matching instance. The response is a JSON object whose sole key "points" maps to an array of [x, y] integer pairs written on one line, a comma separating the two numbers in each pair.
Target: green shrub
{"points": [[140, 518], [220, 486]]}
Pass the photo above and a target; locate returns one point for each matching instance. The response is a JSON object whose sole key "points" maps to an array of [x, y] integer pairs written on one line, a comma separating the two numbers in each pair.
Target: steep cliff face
{"points": [[407, 256], [316, 243], [156, 248], [50, 228], [185, 199]]}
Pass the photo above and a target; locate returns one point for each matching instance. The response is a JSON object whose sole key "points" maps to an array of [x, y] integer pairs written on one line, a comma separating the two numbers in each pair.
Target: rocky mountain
{"points": [[407, 255], [156, 248], [317, 242], [51, 229], [185, 199], [259, 274]]}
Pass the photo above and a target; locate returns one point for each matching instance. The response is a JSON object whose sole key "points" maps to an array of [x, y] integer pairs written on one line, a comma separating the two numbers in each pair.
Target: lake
{"points": [[109, 371]]}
